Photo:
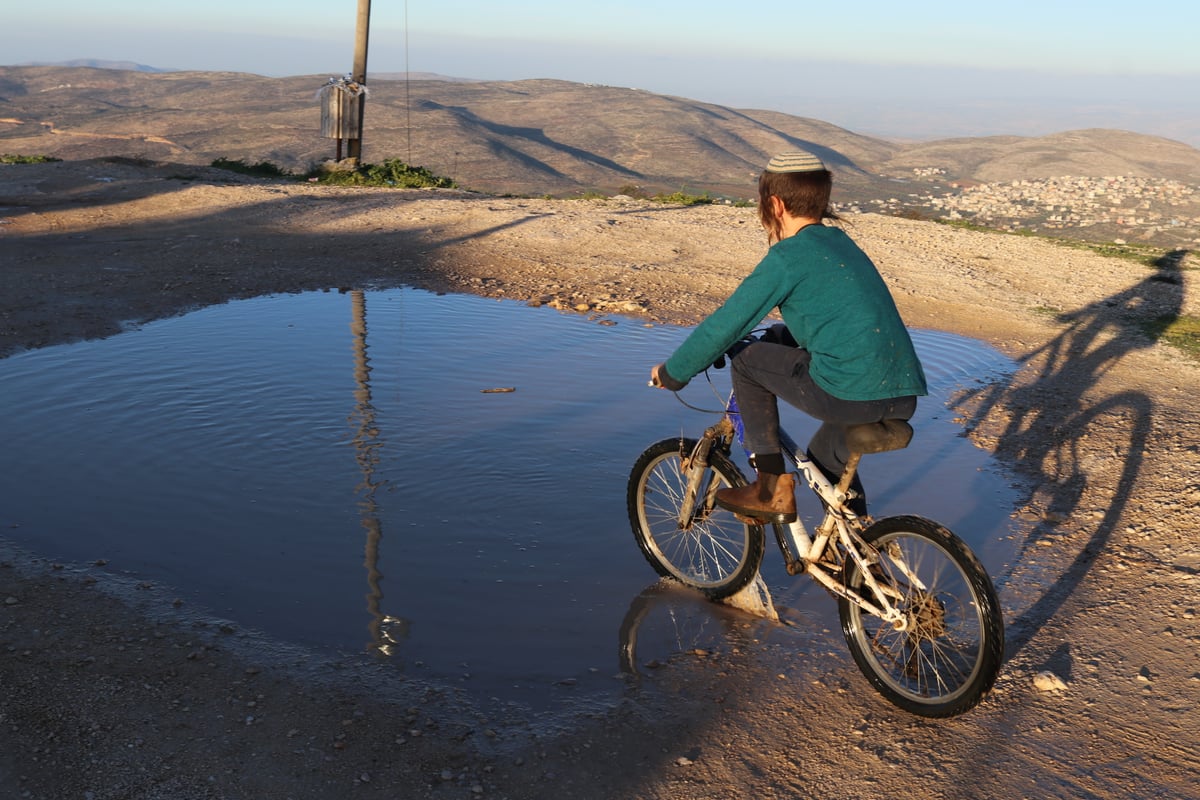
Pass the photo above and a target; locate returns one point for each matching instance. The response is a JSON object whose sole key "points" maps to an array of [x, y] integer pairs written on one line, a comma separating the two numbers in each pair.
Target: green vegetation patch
{"points": [[685, 199], [9, 158], [1138, 253], [969, 225], [263, 169], [1145, 254], [680, 198], [591, 194], [1181, 331], [393, 172]]}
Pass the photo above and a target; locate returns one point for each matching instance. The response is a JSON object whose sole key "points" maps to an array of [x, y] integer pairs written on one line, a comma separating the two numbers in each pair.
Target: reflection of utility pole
{"points": [[359, 76], [386, 631], [366, 446]]}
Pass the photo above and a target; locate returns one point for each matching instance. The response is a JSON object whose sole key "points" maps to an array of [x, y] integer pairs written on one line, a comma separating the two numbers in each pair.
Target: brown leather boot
{"points": [[771, 498]]}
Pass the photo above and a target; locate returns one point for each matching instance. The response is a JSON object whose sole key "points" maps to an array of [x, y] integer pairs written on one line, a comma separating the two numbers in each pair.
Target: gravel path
{"points": [[108, 690]]}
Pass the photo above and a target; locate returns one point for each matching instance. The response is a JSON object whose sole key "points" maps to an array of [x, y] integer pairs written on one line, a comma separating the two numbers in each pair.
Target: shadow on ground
{"points": [[1050, 413]]}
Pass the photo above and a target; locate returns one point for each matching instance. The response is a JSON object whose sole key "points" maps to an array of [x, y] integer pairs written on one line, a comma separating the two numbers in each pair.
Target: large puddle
{"points": [[336, 472]]}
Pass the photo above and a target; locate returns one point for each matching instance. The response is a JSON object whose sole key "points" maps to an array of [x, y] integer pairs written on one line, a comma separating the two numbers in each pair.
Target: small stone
{"points": [[1047, 681], [11, 601]]}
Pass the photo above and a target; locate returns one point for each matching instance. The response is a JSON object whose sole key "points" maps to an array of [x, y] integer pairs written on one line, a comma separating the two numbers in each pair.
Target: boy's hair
{"points": [[804, 194]]}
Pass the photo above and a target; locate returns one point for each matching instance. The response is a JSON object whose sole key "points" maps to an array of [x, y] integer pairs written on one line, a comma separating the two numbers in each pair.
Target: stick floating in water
{"points": [[499, 390]]}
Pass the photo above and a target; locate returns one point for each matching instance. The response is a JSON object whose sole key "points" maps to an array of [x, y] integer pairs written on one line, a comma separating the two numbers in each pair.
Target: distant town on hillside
{"points": [[1112, 208]]}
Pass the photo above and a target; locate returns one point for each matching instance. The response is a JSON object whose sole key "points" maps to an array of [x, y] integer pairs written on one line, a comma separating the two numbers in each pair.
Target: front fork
{"points": [[695, 466]]}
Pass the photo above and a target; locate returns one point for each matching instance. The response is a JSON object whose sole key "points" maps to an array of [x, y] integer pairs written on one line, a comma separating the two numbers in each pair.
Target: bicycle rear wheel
{"points": [[946, 659], [713, 551]]}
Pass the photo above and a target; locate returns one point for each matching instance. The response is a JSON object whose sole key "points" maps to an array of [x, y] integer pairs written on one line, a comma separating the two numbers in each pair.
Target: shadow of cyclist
{"points": [[1048, 417]]}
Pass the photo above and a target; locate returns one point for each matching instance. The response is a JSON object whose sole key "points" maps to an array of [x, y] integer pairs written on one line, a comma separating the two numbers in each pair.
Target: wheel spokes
{"points": [[705, 550], [936, 653]]}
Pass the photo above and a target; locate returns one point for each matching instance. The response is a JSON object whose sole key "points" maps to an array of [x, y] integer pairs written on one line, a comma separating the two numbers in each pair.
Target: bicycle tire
{"points": [[947, 659], [717, 553]]}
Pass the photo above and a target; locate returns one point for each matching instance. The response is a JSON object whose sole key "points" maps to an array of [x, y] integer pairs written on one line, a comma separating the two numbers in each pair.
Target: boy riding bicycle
{"points": [[843, 355]]}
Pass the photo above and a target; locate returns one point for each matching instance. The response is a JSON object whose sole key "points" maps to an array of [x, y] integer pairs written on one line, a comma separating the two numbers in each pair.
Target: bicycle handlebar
{"points": [[776, 334]]}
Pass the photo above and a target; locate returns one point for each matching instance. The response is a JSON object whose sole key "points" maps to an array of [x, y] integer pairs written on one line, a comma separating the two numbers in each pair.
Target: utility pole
{"points": [[359, 76]]}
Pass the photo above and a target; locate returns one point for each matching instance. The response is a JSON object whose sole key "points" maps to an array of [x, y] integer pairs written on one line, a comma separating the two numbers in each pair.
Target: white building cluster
{"points": [[1111, 206], [1144, 205]]}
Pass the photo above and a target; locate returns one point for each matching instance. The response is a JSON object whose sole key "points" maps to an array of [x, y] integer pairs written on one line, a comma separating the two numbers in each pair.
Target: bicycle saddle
{"points": [[879, 437]]}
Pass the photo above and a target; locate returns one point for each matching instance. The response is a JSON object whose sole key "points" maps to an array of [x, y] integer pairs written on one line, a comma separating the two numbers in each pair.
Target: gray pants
{"points": [[764, 371]]}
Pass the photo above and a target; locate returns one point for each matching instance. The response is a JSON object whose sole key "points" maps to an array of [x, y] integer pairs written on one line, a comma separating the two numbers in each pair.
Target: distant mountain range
{"points": [[524, 137], [97, 63]]}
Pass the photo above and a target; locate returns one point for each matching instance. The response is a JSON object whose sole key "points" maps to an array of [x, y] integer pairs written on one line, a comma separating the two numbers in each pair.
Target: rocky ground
{"points": [[106, 693]]}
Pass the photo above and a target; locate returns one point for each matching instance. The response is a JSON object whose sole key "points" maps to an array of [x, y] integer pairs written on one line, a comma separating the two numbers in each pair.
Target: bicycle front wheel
{"points": [[946, 657], [711, 550]]}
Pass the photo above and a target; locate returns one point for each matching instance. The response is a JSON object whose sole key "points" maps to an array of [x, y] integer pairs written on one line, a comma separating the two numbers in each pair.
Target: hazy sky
{"points": [[920, 69]]}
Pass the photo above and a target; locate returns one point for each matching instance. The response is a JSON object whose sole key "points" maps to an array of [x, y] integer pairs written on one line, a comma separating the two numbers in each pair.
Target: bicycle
{"points": [[918, 610]]}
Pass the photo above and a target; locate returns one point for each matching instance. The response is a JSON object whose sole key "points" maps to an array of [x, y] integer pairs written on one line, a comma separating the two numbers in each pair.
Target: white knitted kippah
{"points": [[797, 161]]}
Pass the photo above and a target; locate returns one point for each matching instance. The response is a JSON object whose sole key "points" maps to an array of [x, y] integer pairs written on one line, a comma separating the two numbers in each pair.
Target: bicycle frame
{"points": [[838, 536]]}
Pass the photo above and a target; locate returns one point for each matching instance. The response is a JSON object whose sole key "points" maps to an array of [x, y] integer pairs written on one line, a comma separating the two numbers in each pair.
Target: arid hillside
{"points": [[529, 137]]}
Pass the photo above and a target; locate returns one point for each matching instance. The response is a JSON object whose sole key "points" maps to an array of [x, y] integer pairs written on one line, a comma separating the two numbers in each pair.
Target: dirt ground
{"points": [[107, 693]]}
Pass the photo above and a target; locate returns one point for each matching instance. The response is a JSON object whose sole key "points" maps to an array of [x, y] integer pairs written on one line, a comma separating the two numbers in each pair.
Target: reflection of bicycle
{"points": [[918, 610], [666, 621]]}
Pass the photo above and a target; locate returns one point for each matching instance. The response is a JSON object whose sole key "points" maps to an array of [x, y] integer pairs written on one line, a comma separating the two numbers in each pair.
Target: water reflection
{"points": [[385, 631], [253, 456]]}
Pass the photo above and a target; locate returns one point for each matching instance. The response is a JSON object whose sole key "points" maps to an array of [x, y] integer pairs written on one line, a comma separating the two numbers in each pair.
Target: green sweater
{"points": [[835, 304]]}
